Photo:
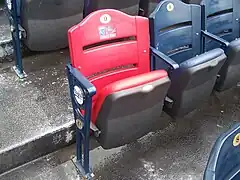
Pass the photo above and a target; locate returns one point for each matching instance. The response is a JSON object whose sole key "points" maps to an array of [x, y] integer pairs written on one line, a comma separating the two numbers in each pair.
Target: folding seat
{"points": [[224, 160], [46, 22], [110, 79], [175, 30], [222, 27]]}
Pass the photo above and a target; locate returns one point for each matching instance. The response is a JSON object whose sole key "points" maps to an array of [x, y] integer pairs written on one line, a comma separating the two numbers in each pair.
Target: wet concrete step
{"points": [[58, 165], [35, 114], [6, 49]]}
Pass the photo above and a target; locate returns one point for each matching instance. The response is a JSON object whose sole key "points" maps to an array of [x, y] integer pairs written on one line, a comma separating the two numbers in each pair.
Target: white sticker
{"points": [[78, 93], [106, 18], [170, 7], [147, 88], [9, 4], [107, 32], [79, 123], [236, 140]]}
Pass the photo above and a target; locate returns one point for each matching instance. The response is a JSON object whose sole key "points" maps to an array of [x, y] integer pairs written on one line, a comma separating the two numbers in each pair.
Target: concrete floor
{"points": [[6, 49], [177, 152], [38, 93], [33, 109]]}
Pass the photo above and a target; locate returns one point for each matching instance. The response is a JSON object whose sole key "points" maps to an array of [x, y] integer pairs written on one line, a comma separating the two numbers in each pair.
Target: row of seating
{"points": [[123, 73], [51, 18]]}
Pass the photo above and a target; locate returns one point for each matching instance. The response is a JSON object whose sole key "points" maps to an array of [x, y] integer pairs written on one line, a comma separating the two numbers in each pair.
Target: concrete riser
{"points": [[35, 148]]}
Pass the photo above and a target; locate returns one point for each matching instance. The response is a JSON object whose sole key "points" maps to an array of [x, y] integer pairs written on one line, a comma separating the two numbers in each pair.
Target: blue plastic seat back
{"points": [[152, 4], [224, 159], [222, 19], [176, 29]]}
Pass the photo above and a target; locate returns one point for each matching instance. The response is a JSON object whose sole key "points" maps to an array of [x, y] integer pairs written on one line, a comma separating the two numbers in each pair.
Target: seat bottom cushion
{"points": [[130, 108], [193, 82]]}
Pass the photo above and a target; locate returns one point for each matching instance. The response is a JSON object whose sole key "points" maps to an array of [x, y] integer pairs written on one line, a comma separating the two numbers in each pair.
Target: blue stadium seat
{"points": [[175, 31], [224, 159], [221, 18]]}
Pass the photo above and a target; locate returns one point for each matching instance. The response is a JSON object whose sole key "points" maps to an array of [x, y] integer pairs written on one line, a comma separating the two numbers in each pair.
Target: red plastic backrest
{"points": [[101, 50]]}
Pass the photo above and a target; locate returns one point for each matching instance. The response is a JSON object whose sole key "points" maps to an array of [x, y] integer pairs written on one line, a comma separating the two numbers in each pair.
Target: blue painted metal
{"points": [[157, 55], [224, 159], [221, 18], [87, 8], [218, 39], [13, 11], [177, 35], [82, 121]]}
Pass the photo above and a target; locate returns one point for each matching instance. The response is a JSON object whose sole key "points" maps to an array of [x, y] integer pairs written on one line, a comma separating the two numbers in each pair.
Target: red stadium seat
{"points": [[111, 50]]}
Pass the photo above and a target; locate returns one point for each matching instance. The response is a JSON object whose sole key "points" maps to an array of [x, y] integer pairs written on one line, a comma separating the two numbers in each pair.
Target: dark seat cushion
{"points": [[46, 22], [193, 82], [201, 59], [130, 108]]}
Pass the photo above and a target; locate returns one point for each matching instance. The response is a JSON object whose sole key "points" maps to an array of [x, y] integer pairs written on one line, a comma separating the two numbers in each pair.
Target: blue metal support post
{"points": [[13, 11], [81, 91]]}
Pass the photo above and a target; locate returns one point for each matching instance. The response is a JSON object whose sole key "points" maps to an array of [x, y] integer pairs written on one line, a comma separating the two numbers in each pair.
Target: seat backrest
{"points": [[224, 159], [130, 7], [222, 18], [176, 29], [109, 45], [152, 4]]}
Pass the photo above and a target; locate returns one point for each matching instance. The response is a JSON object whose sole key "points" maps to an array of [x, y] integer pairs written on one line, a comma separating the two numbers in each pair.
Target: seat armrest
{"points": [[163, 57], [215, 38], [81, 80]]}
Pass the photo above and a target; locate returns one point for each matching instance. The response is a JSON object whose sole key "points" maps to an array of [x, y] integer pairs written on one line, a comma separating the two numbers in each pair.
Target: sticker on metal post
{"points": [[79, 95], [107, 32], [236, 140], [9, 4], [79, 124]]}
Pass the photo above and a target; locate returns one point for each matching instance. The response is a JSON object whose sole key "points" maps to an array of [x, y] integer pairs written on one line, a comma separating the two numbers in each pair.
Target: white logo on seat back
{"points": [[105, 18], [170, 7]]}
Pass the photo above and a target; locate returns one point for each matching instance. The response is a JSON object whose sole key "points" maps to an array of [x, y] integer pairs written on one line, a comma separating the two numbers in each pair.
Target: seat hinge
{"points": [[168, 102], [141, 12], [22, 31], [95, 130]]}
